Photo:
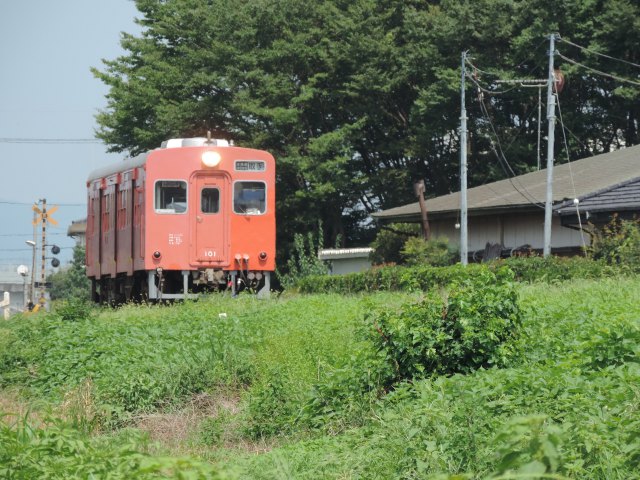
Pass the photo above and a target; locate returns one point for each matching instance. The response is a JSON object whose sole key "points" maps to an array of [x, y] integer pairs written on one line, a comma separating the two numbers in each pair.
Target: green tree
{"points": [[71, 282], [358, 98]]}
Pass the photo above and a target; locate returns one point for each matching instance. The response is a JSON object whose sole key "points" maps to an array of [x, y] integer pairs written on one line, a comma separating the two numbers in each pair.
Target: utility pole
{"points": [[464, 247], [551, 117]]}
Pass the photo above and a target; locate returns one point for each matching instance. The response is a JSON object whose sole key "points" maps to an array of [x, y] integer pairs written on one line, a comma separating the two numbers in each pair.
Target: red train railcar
{"points": [[195, 215]]}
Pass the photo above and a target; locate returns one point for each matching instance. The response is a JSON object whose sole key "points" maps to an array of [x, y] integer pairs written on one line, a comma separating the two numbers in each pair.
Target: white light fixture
{"points": [[211, 158]]}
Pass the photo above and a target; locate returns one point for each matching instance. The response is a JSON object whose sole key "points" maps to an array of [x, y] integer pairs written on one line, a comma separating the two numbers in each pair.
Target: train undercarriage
{"points": [[161, 285]]}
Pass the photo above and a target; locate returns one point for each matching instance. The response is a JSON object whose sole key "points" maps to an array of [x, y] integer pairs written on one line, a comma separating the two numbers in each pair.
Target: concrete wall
{"points": [[17, 296], [341, 266]]}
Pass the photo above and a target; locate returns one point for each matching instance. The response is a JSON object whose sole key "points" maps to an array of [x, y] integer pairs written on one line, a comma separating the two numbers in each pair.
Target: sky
{"points": [[47, 91]]}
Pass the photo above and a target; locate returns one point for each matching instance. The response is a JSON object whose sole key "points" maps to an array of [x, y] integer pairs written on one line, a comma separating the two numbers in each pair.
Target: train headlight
{"points": [[211, 159]]}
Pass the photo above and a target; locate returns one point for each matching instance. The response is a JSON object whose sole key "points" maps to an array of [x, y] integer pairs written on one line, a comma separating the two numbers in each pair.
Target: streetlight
{"points": [[32, 244]]}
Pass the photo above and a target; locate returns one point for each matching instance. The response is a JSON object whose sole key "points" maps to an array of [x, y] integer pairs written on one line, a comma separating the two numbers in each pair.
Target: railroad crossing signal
{"points": [[44, 215]]}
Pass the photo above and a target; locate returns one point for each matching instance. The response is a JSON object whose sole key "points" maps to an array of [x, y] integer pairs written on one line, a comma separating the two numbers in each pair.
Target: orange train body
{"points": [[193, 216]]}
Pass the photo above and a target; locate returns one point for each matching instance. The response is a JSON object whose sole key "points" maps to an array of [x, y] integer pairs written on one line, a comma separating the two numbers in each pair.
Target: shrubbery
{"points": [[425, 277], [303, 261], [618, 242], [390, 240], [469, 326], [58, 451], [436, 252]]}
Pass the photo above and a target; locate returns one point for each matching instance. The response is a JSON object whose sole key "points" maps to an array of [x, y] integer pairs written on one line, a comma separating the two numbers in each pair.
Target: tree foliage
{"points": [[357, 98], [71, 283]]}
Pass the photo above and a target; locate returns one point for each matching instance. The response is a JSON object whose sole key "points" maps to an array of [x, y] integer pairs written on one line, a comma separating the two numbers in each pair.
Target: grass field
{"points": [[228, 388]]}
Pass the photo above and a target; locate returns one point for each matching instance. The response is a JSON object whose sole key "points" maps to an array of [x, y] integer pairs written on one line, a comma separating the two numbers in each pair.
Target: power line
{"points": [[573, 185], [25, 234], [50, 141], [615, 77], [486, 90], [9, 202], [598, 53], [29, 249], [504, 164]]}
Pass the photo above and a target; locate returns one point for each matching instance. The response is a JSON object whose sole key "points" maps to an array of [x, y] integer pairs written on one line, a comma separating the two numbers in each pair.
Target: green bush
{"points": [[58, 451], [303, 261], [427, 277], [347, 395], [469, 327], [436, 252], [73, 309], [618, 242], [390, 240], [551, 269]]}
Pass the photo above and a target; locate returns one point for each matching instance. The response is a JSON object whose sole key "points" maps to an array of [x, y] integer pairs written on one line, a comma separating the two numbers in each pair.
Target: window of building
{"points": [[249, 198], [210, 200], [171, 196]]}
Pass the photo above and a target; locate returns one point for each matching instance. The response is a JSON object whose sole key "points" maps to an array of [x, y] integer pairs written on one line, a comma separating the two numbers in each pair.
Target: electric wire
{"points": [[49, 203], [486, 90], [573, 185], [598, 53], [502, 160], [49, 141], [26, 234], [29, 249], [577, 139], [599, 72]]}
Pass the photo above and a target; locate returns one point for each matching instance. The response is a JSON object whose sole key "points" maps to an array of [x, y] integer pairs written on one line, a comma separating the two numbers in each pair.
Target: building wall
{"points": [[510, 230], [17, 296], [340, 266]]}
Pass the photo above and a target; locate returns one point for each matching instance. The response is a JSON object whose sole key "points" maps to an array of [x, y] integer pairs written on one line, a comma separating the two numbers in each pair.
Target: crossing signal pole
{"points": [[43, 216]]}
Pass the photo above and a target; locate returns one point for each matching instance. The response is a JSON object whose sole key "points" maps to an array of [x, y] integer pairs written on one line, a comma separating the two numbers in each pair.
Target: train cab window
{"points": [[249, 198], [210, 200], [171, 196]]}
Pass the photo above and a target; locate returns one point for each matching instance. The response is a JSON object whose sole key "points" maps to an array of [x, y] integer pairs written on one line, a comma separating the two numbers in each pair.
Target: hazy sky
{"points": [[48, 92]]}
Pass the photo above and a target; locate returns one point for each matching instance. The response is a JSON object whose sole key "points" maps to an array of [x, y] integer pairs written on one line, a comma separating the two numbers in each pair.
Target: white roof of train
{"points": [[141, 159]]}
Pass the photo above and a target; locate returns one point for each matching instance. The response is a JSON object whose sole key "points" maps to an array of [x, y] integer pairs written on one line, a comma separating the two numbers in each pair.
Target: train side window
{"points": [[171, 196], [210, 200], [249, 198]]}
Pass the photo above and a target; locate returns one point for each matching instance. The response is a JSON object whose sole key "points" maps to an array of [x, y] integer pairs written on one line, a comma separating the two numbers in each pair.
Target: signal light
{"points": [[55, 249], [262, 256], [157, 255]]}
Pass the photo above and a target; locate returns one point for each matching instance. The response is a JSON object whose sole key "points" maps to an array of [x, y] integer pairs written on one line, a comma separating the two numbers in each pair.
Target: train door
{"points": [[209, 245]]}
